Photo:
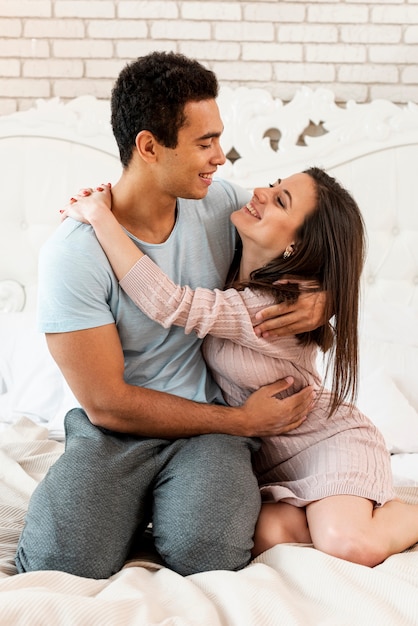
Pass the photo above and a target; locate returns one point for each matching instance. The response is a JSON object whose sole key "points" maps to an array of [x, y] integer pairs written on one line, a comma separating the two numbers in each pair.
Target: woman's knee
{"points": [[350, 544]]}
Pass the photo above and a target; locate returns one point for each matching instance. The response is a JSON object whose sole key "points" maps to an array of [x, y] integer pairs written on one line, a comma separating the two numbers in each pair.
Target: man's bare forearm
{"points": [[149, 413], [93, 365]]}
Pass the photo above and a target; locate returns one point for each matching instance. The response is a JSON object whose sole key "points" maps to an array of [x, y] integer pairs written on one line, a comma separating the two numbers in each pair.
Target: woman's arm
{"points": [[307, 313], [92, 362], [219, 313], [206, 312]]}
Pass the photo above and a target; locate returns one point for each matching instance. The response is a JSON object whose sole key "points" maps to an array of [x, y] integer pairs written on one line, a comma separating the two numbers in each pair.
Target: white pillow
{"points": [[31, 382], [388, 391], [12, 296], [382, 401]]}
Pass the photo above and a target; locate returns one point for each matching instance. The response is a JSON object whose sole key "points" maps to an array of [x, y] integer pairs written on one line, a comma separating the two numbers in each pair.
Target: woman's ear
{"points": [[146, 146]]}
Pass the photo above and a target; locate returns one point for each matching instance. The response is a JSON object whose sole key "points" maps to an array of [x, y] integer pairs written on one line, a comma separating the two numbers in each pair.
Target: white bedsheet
{"points": [[288, 585]]}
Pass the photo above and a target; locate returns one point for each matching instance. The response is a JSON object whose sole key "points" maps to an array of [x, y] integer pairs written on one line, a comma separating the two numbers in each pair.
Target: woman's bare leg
{"points": [[280, 522], [350, 528]]}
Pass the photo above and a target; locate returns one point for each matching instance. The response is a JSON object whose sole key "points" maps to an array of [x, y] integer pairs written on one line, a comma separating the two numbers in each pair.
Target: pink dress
{"points": [[341, 455]]}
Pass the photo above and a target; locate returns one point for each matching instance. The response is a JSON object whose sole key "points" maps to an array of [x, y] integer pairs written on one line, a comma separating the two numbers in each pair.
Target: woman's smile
{"points": [[252, 210]]}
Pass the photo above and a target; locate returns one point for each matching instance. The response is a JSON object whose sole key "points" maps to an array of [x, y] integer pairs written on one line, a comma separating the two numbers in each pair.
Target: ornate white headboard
{"points": [[46, 155], [371, 148], [49, 152]]}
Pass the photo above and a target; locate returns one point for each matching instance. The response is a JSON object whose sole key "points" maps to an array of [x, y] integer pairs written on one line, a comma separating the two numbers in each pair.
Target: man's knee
{"points": [[48, 557], [206, 506], [193, 551]]}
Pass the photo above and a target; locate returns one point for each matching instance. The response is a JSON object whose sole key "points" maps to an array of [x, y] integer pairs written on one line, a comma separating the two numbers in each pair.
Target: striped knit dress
{"points": [[340, 455]]}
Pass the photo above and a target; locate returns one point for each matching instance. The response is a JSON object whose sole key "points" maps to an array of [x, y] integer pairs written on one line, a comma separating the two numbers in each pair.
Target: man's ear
{"points": [[145, 143]]}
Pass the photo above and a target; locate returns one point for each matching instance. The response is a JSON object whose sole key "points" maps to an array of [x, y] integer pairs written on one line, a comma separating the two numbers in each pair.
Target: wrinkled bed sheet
{"points": [[288, 585]]}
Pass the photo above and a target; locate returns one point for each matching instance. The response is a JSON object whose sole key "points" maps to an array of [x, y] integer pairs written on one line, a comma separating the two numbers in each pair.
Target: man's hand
{"points": [[268, 416], [280, 320]]}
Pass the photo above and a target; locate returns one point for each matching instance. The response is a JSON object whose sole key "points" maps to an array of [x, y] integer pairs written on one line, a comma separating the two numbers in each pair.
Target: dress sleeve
{"points": [[207, 312]]}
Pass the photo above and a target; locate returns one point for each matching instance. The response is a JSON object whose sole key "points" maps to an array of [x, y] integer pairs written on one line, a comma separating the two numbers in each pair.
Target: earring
{"points": [[288, 252]]}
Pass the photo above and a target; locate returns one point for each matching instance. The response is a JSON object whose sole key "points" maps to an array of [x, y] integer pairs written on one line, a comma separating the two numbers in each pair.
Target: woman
{"points": [[328, 481]]}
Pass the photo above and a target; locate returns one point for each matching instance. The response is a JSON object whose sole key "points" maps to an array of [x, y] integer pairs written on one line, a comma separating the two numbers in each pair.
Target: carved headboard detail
{"points": [[50, 151]]}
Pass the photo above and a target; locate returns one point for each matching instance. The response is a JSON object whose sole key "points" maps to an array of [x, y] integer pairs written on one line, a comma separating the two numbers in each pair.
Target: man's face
{"points": [[186, 171]]}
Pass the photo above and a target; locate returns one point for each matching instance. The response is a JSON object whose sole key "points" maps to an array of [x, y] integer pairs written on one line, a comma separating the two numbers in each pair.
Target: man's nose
{"points": [[219, 157]]}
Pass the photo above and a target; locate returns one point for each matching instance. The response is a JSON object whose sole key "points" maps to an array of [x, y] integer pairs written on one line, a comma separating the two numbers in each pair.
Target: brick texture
{"points": [[361, 50]]}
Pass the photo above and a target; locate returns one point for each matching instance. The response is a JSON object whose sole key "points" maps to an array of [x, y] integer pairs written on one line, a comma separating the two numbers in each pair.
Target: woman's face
{"points": [[269, 222]]}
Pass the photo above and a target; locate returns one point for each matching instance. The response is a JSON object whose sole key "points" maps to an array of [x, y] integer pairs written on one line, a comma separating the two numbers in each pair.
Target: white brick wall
{"points": [[361, 50]]}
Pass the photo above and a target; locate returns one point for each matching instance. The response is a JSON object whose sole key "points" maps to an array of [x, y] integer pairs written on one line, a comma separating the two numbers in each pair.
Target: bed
{"points": [[50, 151]]}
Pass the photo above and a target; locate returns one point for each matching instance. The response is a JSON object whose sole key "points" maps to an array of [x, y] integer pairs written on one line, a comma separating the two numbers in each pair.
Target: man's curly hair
{"points": [[151, 93]]}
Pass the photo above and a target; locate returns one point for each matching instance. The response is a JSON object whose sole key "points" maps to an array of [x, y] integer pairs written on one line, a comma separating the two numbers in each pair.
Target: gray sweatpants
{"points": [[97, 499]]}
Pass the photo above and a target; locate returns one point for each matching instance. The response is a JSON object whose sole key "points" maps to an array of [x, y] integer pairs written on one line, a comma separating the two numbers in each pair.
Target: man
{"points": [[154, 440]]}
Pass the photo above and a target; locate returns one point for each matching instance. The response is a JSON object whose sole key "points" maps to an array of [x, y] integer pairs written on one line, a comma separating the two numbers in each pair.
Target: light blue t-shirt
{"points": [[78, 290]]}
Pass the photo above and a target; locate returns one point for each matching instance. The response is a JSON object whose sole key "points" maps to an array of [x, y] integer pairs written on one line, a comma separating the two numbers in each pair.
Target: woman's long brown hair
{"points": [[329, 256]]}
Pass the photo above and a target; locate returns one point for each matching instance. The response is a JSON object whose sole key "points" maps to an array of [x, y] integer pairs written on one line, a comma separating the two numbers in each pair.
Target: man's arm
{"points": [[307, 313], [93, 365]]}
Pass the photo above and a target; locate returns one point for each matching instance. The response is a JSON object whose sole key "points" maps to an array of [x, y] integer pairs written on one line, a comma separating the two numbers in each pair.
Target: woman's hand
{"points": [[89, 204]]}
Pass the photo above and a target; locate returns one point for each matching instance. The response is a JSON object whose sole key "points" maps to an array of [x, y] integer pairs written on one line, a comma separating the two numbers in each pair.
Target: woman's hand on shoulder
{"points": [[88, 204]]}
